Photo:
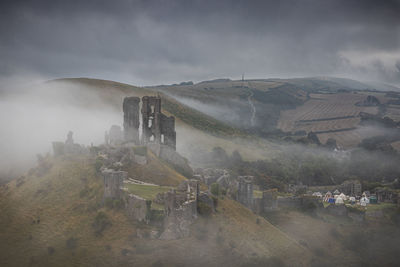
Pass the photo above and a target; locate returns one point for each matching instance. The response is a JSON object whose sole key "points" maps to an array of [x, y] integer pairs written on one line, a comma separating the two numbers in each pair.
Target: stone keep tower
{"points": [[245, 191], [131, 119], [156, 127], [113, 181]]}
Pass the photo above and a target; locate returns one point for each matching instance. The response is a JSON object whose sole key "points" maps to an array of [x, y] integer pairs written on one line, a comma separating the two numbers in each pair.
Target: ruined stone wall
{"points": [[178, 221], [245, 191], [137, 208], [269, 200], [113, 181], [131, 119], [68, 147], [167, 128], [180, 210]]}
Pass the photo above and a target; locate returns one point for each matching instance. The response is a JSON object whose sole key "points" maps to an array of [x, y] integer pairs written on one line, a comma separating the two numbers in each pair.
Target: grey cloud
{"points": [[148, 42]]}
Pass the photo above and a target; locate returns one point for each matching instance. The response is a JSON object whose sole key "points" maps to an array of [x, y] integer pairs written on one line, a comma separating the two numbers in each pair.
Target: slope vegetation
{"points": [[54, 217]]}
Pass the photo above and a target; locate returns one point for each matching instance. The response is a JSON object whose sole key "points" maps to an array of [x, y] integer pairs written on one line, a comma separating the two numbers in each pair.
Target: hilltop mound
{"points": [[54, 217]]}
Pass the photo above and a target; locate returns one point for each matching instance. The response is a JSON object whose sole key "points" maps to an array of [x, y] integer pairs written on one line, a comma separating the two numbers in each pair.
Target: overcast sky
{"points": [[153, 42]]}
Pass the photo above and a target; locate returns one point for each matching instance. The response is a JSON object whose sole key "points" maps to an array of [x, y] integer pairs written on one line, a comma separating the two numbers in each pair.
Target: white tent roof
{"points": [[318, 194], [339, 200]]}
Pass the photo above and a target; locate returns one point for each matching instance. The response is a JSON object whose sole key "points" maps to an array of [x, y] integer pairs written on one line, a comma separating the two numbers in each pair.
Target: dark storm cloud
{"points": [[146, 42]]}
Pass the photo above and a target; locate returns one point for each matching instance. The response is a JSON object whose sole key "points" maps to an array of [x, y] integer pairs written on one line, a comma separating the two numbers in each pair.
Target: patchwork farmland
{"points": [[331, 116]]}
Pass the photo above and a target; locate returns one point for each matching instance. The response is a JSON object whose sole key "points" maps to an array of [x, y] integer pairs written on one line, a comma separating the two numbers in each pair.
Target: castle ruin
{"points": [[157, 128], [113, 182], [245, 191], [131, 119]]}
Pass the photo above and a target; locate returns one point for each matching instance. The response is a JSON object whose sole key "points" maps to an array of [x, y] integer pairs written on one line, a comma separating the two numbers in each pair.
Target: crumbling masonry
{"points": [[113, 182], [131, 119], [157, 128], [245, 191]]}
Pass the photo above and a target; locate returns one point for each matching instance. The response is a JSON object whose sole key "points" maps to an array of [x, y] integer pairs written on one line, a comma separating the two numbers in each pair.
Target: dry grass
{"points": [[231, 236]]}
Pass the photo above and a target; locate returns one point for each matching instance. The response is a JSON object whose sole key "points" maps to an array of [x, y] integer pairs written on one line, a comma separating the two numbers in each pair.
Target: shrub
{"points": [[215, 189], [223, 191], [204, 209], [101, 222], [98, 164]]}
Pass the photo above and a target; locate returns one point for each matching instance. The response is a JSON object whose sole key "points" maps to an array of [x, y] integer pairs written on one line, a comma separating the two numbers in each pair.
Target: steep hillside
{"points": [[54, 217]]}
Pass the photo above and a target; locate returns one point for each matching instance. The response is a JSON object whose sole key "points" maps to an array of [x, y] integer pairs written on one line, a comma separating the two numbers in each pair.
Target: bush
{"points": [[223, 191], [118, 204], [204, 209], [215, 189], [101, 222], [98, 164]]}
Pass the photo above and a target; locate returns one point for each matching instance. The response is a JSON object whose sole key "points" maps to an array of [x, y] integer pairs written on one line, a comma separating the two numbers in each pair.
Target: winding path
{"points": [[252, 107]]}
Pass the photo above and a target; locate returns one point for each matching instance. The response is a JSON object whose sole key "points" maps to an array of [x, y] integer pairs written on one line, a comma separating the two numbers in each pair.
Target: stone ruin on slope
{"points": [[180, 204], [245, 191], [113, 182], [68, 147], [156, 127]]}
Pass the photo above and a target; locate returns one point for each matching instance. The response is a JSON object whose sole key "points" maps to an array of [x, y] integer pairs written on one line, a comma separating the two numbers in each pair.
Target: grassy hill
{"points": [[54, 217]]}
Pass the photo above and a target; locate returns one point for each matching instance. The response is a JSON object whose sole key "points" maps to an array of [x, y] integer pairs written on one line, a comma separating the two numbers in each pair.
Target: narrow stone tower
{"points": [[131, 119]]}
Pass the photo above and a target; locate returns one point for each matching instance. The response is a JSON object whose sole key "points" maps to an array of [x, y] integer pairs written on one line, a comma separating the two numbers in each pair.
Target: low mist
{"points": [[33, 115]]}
